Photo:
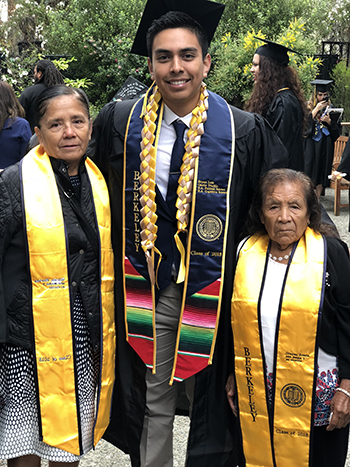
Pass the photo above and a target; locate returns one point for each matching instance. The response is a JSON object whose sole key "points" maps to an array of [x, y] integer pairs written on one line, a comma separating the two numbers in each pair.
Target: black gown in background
{"points": [[319, 154], [285, 115]]}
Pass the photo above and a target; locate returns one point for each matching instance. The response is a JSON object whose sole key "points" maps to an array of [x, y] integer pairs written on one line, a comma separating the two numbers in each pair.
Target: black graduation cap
{"points": [[322, 85], [206, 13], [277, 52]]}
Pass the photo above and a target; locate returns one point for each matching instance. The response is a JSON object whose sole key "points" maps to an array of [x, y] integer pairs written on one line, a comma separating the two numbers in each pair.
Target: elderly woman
{"points": [[291, 329], [56, 310]]}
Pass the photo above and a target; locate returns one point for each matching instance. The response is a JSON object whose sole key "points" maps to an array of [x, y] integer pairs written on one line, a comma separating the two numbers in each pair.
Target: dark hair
{"points": [[9, 104], [273, 76], [50, 75], [57, 91], [173, 20], [278, 177]]}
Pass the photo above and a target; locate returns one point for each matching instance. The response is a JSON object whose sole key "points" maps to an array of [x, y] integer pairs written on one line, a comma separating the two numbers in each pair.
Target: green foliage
{"points": [[114, 64], [266, 15], [99, 34], [341, 89], [231, 77], [324, 19], [17, 70]]}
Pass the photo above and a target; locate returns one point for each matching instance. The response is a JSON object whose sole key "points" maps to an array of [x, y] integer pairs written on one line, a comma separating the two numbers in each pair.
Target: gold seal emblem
{"points": [[293, 395], [209, 228]]}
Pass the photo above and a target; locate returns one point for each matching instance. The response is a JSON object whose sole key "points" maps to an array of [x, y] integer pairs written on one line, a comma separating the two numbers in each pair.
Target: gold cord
{"points": [[148, 171]]}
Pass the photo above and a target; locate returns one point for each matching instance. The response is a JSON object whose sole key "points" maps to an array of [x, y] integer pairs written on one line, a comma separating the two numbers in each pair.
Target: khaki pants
{"points": [[157, 437]]}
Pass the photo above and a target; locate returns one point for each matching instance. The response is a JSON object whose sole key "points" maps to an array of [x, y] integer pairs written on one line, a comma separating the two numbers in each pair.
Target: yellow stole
{"points": [[283, 436], [51, 305]]}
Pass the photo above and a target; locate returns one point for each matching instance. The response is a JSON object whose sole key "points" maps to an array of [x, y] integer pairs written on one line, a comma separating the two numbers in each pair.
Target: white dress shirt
{"points": [[166, 141]]}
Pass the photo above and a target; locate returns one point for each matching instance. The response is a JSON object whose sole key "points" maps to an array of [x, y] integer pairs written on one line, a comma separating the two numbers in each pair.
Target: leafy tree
{"points": [[99, 34], [341, 89], [231, 77], [270, 16]]}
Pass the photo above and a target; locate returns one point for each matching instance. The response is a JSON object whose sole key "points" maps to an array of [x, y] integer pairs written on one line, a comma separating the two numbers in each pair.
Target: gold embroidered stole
{"points": [[282, 437], [51, 305]]}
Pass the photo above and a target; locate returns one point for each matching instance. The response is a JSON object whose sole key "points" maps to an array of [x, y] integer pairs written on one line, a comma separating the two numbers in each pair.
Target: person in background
{"points": [[57, 337], [277, 96], [291, 330], [177, 211], [14, 129], [320, 136], [45, 76]]}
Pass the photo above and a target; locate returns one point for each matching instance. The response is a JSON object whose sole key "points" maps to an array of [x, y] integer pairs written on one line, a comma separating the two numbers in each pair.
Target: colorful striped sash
{"points": [[205, 248]]}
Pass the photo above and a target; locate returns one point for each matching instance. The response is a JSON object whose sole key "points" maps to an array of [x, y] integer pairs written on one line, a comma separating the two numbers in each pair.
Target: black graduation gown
{"points": [[286, 118], [214, 433], [319, 154], [28, 100]]}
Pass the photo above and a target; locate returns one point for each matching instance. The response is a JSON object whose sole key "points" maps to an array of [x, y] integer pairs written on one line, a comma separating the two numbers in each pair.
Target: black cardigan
{"points": [[15, 289]]}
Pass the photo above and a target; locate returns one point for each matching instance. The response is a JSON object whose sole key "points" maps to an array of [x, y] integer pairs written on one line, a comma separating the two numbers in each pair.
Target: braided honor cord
{"points": [[147, 177]]}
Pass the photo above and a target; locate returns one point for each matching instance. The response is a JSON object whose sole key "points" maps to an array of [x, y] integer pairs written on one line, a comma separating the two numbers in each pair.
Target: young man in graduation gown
{"points": [[175, 244]]}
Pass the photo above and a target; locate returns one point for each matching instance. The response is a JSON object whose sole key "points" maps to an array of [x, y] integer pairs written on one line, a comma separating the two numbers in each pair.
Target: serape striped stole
{"points": [[205, 248]]}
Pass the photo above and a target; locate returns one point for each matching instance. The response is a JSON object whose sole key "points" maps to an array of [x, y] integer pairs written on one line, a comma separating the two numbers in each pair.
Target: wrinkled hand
{"points": [[340, 408], [230, 393]]}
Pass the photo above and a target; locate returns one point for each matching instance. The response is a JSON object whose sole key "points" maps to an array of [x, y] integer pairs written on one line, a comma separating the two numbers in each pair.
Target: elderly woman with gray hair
{"points": [[291, 328]]}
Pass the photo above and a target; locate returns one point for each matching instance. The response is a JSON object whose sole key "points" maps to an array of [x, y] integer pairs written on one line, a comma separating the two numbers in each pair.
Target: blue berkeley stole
{"points": [[205, 245]]}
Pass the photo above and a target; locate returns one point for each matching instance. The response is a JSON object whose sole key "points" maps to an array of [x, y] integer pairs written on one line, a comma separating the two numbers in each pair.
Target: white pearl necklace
{"points": [[280, 258]]}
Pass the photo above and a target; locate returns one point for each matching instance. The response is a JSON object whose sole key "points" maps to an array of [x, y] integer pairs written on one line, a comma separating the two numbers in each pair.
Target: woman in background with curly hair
{"points": [[14, 129], [278, 97]]}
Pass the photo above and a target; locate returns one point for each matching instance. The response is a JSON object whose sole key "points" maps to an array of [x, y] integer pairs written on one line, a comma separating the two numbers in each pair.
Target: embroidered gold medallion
{"points": [[293, 395], [209, 228]]}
